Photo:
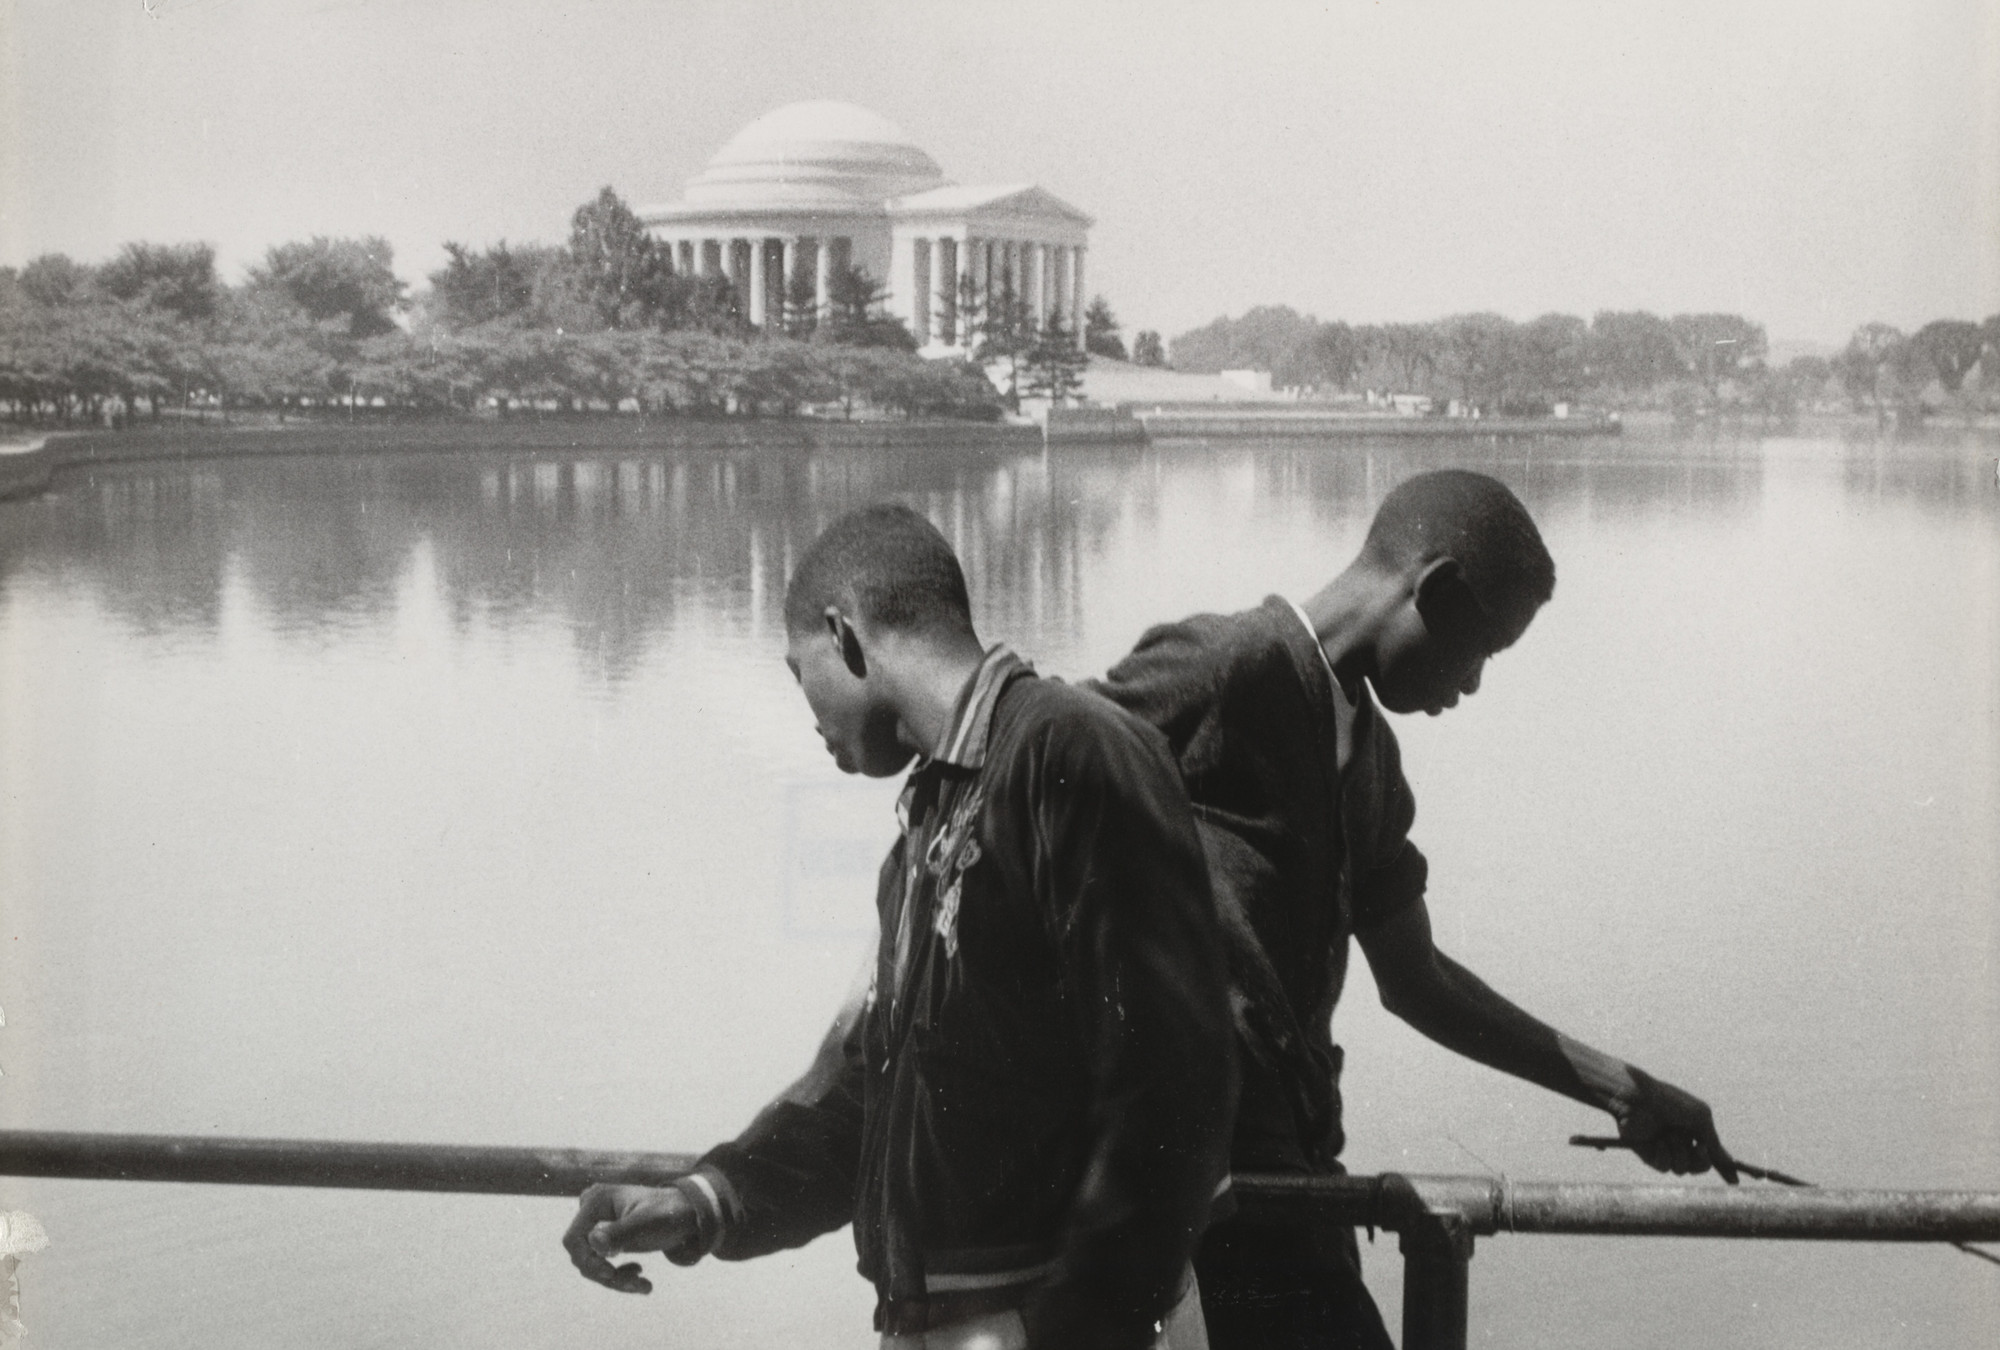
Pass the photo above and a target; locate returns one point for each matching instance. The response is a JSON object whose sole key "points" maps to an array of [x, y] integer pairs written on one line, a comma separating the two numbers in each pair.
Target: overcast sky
{"points": [[1812, 165]]}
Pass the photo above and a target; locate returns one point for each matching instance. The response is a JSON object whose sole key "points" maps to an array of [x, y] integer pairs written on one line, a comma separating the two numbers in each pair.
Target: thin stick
{"points": [[1601, 1142]]}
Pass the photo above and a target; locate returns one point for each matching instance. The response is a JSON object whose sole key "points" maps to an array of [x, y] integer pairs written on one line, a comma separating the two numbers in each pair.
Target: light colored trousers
{"points": [[1184, 1330]]}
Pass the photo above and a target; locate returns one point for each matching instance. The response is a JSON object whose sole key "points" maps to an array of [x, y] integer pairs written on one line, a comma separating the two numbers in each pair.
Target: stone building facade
{"points": [[814, 186]]}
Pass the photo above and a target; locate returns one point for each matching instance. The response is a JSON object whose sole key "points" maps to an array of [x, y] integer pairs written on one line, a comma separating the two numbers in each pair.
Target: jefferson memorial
{"points": [[815, 186]]}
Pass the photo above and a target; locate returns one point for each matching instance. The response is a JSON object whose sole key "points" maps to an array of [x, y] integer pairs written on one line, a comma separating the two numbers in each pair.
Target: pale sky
{"points": [[1811, 165]]}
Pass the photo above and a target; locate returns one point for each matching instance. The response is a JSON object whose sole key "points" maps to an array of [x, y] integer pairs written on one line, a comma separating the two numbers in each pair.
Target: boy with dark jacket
{"points": [[1027, 1118], [1305, 815]]}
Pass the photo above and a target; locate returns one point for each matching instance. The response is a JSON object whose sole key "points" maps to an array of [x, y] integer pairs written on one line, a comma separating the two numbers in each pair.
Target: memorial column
{"points": [[1076, 288], [947, 290], [822, 272], [788, 268], [920, 290], [760, 311], [962, 286]]}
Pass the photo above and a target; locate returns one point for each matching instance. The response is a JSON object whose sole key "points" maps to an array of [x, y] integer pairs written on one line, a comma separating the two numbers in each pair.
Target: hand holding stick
{"points": [[1601, 1142]]}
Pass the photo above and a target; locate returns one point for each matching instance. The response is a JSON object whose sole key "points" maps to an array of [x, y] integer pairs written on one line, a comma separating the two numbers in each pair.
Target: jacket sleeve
{"points": [[1170, 680], [1389, 871], [791, 1176], [1126, 892]]}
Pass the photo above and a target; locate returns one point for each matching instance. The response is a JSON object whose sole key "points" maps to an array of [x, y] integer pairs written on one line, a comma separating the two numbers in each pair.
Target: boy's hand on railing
{"points": [[614, 1219], [1670, 1129]]}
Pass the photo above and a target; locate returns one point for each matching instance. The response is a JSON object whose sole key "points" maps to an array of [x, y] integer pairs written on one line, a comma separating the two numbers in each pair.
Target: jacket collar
{"points": [[963, 744]]}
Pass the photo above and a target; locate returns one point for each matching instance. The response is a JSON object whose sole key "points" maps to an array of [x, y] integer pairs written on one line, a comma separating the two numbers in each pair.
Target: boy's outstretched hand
{"points": [[1671, 1130], [614, 1219]]}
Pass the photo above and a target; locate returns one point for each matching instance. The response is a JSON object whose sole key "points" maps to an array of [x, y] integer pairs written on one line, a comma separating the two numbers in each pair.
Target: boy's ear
{"points": [[1440, 581], [1445, 600], [848, 641]]}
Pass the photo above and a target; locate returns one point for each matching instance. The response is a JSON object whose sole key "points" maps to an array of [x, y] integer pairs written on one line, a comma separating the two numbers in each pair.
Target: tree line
{"points": [[602, 322], [1689, 362]]}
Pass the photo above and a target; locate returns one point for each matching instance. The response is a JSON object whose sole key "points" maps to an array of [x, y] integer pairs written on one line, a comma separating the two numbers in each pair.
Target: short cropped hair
{"points": [[1474, 519], [886, 565]]}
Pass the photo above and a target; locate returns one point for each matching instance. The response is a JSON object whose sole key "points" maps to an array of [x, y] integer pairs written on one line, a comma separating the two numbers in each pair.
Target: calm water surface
{"points": [[464, 796]]}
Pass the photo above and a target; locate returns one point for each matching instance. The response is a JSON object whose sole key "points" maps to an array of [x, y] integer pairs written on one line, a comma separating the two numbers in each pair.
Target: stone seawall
{"points": [[1261, 425], [26, 471]]}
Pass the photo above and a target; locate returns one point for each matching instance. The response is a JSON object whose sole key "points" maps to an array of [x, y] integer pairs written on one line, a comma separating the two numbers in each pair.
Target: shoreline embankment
{"points": [[29, 468], [32, 461]]}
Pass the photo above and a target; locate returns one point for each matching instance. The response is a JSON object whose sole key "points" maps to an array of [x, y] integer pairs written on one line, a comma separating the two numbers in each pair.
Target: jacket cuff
{"points": [[713, 1200]]}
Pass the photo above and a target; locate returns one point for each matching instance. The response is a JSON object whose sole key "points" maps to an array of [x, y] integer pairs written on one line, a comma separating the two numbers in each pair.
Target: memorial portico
{"points": [[813, 188]]}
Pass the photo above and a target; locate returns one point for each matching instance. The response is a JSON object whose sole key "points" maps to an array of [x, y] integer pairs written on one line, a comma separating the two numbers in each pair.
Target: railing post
{"points": [[1437, 1248]]}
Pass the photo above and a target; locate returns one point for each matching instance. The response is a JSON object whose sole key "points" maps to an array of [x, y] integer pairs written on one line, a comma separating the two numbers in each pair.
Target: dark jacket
{"points": [[1300, 853], [1041, 1099]]}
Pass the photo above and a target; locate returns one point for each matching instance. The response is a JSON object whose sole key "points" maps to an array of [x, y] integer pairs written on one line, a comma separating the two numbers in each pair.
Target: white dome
{"points": [[821, 155]]}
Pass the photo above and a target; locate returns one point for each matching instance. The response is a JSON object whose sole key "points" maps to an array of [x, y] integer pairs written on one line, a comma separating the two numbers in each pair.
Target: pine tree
{"points": [[1055, 363], [1100, 331]]}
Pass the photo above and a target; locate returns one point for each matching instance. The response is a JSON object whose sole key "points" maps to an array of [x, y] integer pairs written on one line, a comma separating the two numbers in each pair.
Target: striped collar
{"points": [[963, 744]]}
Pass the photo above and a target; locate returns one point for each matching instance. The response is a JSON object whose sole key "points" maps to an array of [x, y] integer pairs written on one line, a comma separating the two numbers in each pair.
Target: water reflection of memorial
{"points": [[626, 545]]}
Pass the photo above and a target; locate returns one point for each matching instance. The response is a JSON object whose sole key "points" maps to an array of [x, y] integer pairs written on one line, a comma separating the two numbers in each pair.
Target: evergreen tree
{"points": [[1007, 333], [854, 313], [1148, 349], [801, 304], [620, 272], [1100, 330], [1055, 363]]}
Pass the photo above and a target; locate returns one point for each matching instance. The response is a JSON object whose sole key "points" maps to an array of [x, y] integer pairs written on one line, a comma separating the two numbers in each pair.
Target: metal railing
{"points": [[1437, 1218]]}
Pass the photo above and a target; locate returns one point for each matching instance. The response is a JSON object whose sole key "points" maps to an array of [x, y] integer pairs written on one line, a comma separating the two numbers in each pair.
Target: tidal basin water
{"points": [[463, 796]]}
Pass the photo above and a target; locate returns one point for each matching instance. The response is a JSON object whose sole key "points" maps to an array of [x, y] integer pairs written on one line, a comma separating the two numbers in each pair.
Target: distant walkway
{"points": [[1113, 382]]}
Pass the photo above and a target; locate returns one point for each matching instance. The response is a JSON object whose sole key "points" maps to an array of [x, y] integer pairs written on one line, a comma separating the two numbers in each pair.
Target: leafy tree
{"points": [[177, 278], [1260, 340], [336, 279], [1406, 353], [267, 351], [1552, 357], [1477, 356], [72, 359], [1806, 378], [1329, 357], [1863, 363], [54, 280], [1100, 330], [779, 375], [499, 283], [1952, 347], [1148, 349], [1634, 350], [1055, 363], [1716, 347]]}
